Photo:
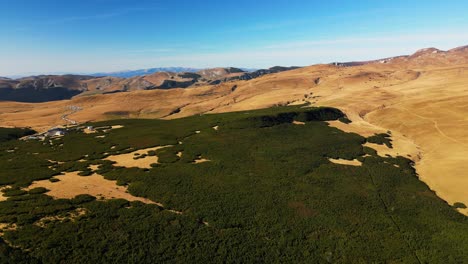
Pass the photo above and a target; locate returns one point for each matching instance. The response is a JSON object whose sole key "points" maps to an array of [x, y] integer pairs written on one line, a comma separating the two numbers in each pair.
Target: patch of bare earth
{"points": [[94, 167], [200, 160], [89, 131], [354, 162], [6, 227], [298, 122], [3, 197], [128, 159], [71, 185], [71, 216], [56, 162]]}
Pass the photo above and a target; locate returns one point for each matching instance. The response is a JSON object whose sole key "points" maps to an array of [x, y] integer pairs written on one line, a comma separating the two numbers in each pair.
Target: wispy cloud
{"points": [[273, 25], [148, 51], [107, 15], [287, 53], [318, 51], [312, 21], [70, 19], [387, 39]]}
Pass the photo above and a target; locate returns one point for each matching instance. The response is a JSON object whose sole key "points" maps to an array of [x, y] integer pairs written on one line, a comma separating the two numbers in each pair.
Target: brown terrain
{"points": [[71, 184], [44, 88], [422, 99], [132, 159], [346, 162]]}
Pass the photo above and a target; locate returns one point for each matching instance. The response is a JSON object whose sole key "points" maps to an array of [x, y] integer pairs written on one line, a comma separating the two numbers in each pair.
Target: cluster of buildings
{"points": [[53, 132], [58, 132]]}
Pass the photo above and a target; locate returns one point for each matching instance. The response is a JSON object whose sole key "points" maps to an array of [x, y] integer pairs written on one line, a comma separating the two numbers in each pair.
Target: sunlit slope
{"points": [[422, 101]]}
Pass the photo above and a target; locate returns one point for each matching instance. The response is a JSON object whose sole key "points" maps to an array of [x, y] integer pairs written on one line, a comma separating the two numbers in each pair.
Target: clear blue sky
{"points": [[43, 36]]}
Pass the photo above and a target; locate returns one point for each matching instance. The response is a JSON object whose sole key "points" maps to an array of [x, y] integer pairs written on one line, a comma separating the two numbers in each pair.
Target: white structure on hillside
{"points": [[55, 132]]}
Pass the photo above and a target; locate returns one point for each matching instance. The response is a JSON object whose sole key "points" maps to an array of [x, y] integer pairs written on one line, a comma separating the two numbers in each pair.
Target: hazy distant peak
{"points": [[216, 73], [425, 51], [140, 72]]}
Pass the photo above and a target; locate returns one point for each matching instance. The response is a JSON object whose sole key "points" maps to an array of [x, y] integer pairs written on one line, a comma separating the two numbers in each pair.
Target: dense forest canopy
{"points": [[268, 193], [14, 133]]}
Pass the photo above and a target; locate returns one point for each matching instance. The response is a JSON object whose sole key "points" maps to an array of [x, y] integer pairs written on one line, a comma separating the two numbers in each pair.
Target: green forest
{"points": [[7, 134], [268, 194]]}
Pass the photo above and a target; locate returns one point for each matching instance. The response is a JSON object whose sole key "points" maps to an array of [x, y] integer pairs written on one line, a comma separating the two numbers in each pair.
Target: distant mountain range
{"points": [[44, 88], [140, 72], [120, 74]]}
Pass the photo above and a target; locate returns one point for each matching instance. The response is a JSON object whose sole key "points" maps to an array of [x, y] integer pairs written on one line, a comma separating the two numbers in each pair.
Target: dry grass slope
{"points": [[421, 99]]}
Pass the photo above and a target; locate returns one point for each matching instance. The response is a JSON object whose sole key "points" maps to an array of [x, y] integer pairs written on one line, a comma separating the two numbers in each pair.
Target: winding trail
{"points": [[436, 126], [73, 109]]}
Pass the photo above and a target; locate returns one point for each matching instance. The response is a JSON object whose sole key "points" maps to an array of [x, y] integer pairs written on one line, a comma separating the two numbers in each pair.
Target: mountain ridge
{"points": [[43, 88], [139, 72]]}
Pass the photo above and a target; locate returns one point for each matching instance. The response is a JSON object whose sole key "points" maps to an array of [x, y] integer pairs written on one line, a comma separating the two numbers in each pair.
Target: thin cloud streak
{"points": [[98, 16], [286, 54], [70, 19], [160, 50], [373, 40], [308, 55], [271, 25]]}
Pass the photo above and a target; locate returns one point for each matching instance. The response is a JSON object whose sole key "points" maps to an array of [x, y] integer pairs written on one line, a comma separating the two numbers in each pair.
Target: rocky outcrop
{"points": [[73, 82], [168, 84], [259, 73]]}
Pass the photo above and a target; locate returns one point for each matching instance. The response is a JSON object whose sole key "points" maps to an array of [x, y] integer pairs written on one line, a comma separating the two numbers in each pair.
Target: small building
{"points": [[55, 132]]}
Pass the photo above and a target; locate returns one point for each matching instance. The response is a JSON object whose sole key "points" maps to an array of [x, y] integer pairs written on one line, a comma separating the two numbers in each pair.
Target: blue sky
{"points": [[46, 36]]}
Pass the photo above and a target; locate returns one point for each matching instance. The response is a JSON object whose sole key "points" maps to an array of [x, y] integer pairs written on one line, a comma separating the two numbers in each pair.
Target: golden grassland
{"points": [[424, 106]]}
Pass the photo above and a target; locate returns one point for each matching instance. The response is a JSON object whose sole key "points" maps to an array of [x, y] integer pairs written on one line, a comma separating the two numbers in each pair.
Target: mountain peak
{"points": [[425, 51]]}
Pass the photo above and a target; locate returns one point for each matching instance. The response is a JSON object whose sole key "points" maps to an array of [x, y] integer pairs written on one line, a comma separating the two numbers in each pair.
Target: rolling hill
{"points": [[421, 99]]}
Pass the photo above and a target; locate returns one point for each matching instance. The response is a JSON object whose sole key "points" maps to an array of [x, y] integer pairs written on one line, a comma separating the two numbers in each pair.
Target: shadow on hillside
{"points": [[32, 95]]}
